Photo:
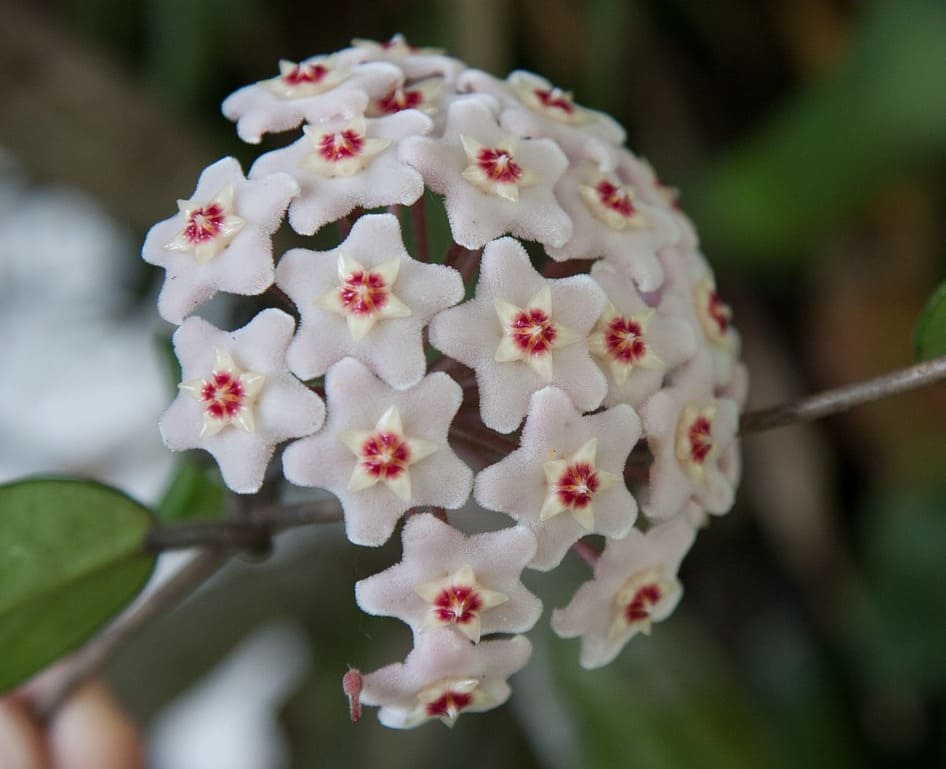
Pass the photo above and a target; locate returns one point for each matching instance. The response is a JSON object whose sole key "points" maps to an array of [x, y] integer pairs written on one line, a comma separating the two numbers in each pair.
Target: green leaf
{"points": [[71, 557], [929, 340], [194, 492]]}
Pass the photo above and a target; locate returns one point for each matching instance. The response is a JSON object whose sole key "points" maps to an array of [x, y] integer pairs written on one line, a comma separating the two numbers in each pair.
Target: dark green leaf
{"points": [[71, 557], [930, 337], [194, 492]]}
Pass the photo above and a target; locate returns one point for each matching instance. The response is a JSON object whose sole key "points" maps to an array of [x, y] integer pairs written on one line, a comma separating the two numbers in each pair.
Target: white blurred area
{"points": [[83, 382]]}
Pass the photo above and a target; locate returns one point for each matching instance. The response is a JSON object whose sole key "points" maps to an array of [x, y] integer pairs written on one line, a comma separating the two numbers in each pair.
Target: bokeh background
{"points": [[808, 138]]}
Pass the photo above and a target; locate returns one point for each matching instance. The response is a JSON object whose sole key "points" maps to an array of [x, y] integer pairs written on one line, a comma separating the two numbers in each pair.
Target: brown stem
{"points": [[843, 398]]}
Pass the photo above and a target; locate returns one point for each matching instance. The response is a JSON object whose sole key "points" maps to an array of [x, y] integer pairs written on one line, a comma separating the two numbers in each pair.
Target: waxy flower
{"points": [[635, 344], [382, 451], [220, 240], [635, 584], [367, 299], [415, 62], [567, 479], [315, 90], [344, 164], [447, 579], [521, 332], [238, 399], [443, 677], [692, 435], [493, 183]]}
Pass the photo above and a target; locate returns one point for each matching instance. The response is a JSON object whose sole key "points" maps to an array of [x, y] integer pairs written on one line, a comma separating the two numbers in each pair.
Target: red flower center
{"points": [[577, 485], [223, 395], [363, 293], [205, 223], [624, 340], [639, 607], [533, 331], [499, 165], [303, 74], [719, 312], [385, 455], [615, 198], [448, 704], [552, 98], [341, 145], [399, 99], [457, 603], [701, 441]]}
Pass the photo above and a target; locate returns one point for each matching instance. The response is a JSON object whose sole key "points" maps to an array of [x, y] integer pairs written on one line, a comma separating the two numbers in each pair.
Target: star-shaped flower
{"points": [[382, 451], [532, 106], [447, 579], [493, 183], [315, 90], [341, 165], [415, 62], [692, 436], [367, 298], [635, 584], [238, 399], [612, 223], [522, 331], [220, 239], [444, 676], [426, 96], [566, 479], [636, 345]]}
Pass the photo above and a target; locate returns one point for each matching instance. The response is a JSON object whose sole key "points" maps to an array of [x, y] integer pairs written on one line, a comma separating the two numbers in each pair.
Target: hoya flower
{"points": [[447, 579], [443, 677], [635, 344], [315, 90], [425, 96], [692, 436], [344, 164], [367, 299], [612, 222], [237, 399], [493, 183], [521, 332], [382, 451], [415, 62], [220, 239], [532, 106], [567, 478], [635, 584]]}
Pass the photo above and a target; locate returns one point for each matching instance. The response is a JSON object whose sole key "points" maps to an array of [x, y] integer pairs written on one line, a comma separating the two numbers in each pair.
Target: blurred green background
{"points": [[808, 138]]}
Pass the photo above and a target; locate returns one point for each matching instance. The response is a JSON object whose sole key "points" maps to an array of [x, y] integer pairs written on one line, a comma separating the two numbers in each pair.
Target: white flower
{"points": [[382, 451], [343, 164], [220, 240], [635, 584], [367, 299], [522, 331], [492, 182], [238, 399], [448, 579], [567, 479], [415, 62], [445, 675]]}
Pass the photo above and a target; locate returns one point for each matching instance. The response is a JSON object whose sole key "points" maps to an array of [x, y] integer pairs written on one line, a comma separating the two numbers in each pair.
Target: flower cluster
{"points": [[569, 399]]}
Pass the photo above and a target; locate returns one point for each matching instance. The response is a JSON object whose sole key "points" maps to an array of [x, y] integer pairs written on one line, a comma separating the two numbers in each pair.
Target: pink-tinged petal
{"points": [[383, 180], [634, 585], [277, 406], [473, 332], [393, 344], [259, 109], [357, 400], [415, 62], [689, 431], [433, 552], [483, 200], [522, 486], [240, 258], [413, 692]]}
